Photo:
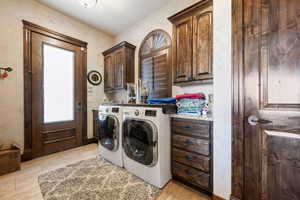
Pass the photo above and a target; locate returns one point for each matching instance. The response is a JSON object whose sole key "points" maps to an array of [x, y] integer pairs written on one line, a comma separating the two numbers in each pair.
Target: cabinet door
{"points": [[155, 75], [109, 72], [182, 51], [119, 69], [202, 45], [147, 74]]}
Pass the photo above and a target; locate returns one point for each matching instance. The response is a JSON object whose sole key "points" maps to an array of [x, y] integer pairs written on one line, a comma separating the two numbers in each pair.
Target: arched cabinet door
{"points": [[155, 64]]}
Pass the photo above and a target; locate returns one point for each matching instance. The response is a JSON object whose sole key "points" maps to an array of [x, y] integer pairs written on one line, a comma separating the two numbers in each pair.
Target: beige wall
{"points": [[222, 78], [11, 54], [158, 20]]}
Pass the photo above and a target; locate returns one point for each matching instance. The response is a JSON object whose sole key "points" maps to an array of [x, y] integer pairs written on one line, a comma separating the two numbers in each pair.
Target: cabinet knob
{"points": [[189, 142], [189, 157], [187, 127], [189, 172]]}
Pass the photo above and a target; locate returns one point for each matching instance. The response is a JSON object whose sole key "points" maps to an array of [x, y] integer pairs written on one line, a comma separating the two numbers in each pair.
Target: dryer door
{"points": [[109, 132], [140, 141]]}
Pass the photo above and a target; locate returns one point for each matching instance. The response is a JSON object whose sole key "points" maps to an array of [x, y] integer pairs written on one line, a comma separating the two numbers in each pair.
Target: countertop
{"points": [[167, 108], [192, 116]]}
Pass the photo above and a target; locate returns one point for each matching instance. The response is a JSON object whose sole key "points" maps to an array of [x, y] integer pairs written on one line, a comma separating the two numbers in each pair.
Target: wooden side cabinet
{"points": [[10, 161], [192, 153], [118, 66], [192, 44]]}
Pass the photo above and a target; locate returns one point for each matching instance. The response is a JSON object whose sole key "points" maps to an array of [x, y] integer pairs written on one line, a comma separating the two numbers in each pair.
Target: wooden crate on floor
{"points": [[10, 161]]}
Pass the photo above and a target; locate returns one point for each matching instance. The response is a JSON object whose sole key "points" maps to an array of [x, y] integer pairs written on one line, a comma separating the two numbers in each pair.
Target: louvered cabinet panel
{"points": [[161, 74], [155, 74], [147, 72]]}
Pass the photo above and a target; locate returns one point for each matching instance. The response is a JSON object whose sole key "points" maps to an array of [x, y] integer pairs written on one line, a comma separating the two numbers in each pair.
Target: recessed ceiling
{"points": [[111, 16]]}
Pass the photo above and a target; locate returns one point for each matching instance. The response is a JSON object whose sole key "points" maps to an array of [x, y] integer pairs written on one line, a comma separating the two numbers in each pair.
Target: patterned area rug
{"points": [[94, 179]]}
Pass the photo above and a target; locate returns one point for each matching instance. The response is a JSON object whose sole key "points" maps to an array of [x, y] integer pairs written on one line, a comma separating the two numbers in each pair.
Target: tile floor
{"points": [[23, 185]]}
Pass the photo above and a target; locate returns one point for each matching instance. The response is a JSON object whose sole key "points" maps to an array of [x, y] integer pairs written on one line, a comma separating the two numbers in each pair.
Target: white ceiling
{"points": [[111, 16]]}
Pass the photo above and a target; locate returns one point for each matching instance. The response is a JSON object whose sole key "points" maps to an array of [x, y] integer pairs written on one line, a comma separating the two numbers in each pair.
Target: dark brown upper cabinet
{"points": [[118, 66], [192, 44]]}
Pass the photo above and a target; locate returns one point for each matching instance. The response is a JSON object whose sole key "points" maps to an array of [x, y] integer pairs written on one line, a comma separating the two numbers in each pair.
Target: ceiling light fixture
{"points": [[88, 3]]}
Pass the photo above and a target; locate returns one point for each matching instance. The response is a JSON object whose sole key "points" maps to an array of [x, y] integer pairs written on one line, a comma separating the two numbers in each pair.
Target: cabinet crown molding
{"points": [[118, 46], [189, 10]]}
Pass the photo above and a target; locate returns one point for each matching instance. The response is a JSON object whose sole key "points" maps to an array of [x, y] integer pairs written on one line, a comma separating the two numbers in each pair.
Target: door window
{"points": [[58, 84]]}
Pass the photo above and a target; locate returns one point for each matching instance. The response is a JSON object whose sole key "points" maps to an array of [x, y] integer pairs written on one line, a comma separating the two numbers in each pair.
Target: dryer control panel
{"points": [[150, 113]]}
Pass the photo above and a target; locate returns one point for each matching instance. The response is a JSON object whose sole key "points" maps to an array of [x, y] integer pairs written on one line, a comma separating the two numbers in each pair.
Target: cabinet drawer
{"points": [[192, 144], [191, 127], [191, 175], [191, 159]]}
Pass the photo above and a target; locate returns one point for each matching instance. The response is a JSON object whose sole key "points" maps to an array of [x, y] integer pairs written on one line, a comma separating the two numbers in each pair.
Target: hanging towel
{"points": [[162, 101]]}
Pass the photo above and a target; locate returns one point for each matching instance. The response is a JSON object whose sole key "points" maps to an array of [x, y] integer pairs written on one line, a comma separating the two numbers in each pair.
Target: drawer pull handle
{"points": [[189, 172], [189, 158], [188, 142], [188, 127]]}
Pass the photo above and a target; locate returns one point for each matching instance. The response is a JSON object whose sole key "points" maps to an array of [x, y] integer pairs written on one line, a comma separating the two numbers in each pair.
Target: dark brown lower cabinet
{"points": [[10, 161], [192, 153]]}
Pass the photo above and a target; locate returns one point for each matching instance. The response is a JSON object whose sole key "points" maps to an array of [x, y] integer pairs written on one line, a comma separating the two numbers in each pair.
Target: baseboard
{"points": [[234, 198], [215, 197], [92, 141], [27, 155]]}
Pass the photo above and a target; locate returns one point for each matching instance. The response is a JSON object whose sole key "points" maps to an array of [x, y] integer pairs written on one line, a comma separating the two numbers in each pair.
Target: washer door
{"points": [[140, 141], [109, 132]]}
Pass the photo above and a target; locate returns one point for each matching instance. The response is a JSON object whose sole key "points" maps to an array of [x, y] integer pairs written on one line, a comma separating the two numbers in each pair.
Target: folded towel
{"points": [[190, 96], [190, 105], [200, 103], [162, 101], [189, 110]]}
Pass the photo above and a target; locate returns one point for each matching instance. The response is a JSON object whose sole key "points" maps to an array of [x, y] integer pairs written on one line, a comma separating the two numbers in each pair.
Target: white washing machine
{"points": [[110, 134], [146, 144]]}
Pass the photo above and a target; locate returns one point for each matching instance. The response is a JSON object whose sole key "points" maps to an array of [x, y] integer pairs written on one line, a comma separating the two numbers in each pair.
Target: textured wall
{"points": [[222, 78], [222, 96], [11, 48]]}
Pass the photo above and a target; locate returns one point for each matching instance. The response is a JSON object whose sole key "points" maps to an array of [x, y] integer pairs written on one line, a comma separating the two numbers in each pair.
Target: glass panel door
{"points": [[109, 132], [139, 141], [58, 84]]}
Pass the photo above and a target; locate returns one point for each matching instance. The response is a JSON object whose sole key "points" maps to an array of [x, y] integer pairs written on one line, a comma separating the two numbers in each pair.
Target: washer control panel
{"points": [[141, 112], [115, 110]]}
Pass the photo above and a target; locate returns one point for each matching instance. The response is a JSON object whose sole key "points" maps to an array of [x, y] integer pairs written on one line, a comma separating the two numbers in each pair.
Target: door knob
{"points": [[253, 120], [79, 105]]}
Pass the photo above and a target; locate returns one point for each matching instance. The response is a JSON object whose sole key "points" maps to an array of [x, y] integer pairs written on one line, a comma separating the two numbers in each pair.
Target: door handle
{"points": [[79, 105], [253, 120]]}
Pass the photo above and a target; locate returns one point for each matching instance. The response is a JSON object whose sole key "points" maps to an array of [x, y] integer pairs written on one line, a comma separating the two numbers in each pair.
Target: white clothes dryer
{"points": [[146, 144]]}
